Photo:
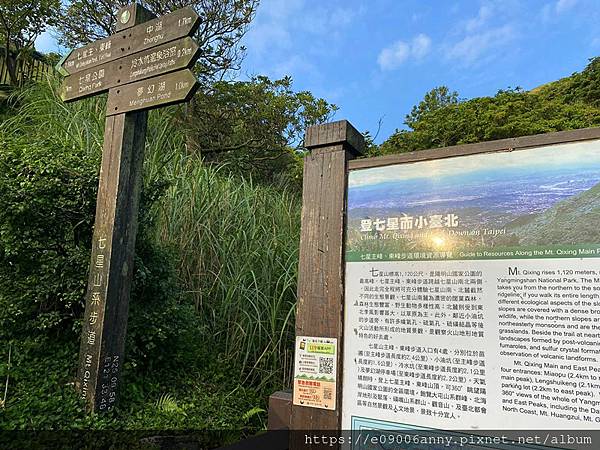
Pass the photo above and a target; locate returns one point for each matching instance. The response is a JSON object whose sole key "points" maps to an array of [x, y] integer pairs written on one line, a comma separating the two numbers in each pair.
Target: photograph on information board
{"points": [[473, 292], [540, 203]]}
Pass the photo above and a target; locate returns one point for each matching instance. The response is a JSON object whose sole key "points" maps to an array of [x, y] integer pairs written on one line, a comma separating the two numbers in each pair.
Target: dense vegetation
{"points": [[211, 322], [442, 119]]}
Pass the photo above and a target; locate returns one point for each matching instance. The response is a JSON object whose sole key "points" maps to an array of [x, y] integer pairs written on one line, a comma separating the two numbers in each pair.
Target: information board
{"points": [[472, 292]]}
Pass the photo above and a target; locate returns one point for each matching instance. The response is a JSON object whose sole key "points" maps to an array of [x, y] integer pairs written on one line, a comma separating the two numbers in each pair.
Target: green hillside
{"points": [[571, 221], [442, 118]]}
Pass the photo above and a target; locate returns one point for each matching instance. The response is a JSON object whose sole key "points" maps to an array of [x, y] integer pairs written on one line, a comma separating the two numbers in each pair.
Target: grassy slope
{"points": [[234, 245], [572, 221]]}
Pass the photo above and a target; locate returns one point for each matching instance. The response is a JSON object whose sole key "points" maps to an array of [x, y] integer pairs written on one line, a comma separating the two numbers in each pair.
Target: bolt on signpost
{"points": [[144, 65]]}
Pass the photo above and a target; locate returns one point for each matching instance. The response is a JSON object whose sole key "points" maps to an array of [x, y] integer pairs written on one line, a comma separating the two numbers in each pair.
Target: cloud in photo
{"points": [[564, 5], [483, 16], [476, 46], [555, 9], [561, 155], [396, 54]]}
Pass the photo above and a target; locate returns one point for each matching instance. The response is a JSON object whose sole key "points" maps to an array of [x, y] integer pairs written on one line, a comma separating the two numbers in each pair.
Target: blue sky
{"points": [[575, 157], [375, 59]]}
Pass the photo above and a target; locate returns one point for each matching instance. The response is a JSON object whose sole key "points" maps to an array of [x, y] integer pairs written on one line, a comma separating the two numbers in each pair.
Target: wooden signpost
{"points": [[164, 90], [158, 52], [321, 275], [165, 58], [133, 39]]}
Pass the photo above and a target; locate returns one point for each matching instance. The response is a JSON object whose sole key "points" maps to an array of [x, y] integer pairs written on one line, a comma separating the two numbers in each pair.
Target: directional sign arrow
{"points": [[175, 87], [178, 24], [165, 58]]}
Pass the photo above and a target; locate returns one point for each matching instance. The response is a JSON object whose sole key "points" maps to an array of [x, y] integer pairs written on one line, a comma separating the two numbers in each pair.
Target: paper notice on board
{"points": [[315, 372]]}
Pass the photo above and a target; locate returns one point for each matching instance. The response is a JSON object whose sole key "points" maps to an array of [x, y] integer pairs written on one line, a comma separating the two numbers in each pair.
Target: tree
{"points": [[441, 119], [255, 127], [582, 86], [21, 22], [437, 98], [371, 148], [223, 24]]}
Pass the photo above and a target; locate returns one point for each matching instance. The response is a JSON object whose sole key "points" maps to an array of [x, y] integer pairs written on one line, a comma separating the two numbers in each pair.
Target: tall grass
{"points": [[236, 241], [237, 244], [42, 116]]}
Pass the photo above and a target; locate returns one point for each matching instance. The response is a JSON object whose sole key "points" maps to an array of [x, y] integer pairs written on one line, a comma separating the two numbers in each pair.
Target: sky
{"points": [[572, 155], [375, 59]]}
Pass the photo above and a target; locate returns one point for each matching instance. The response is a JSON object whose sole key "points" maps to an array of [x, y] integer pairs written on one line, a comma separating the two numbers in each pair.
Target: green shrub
{"points": [[49, 165], [46, 216], [213, 293]]}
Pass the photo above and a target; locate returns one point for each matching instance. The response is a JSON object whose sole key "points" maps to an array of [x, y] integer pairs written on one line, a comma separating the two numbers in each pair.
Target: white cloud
{"points": [[553, 9], [281, 9], [293, 65], [484, 14], [393, 56], [481, 37], [564, 5], [277, 37], [272, 27], [329, 22], [474, 46], [344, 16], [421, 46], [279, 23]]}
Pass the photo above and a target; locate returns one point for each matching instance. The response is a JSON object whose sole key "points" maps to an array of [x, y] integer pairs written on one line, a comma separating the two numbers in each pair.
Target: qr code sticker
{"points": [[327, 394], [326, 365]]}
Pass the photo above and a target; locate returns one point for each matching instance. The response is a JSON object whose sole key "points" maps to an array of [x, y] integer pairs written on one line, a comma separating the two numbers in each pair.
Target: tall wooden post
{"points": [[321, 271], [113, 246]]}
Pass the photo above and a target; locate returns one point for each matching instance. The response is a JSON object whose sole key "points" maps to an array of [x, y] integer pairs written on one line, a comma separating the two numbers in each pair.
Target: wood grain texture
{"points": [[510, 144], [166, 58], [178, 24], [340, 132], [111, 265], [163, 90], [321, 267], [137, 15], [280, 410]]}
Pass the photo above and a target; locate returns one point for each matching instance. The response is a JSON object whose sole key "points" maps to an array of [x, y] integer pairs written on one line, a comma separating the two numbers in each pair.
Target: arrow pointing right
{"points": [[175, 87], [165, 58]]}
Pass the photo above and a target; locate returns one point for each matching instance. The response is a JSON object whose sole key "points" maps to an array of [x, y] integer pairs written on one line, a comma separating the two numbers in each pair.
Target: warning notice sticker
{"points": [[315, 372]]}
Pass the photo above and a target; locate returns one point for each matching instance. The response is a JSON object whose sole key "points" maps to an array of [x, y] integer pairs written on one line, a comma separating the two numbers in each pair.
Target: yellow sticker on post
{"points": [[315, 371]]}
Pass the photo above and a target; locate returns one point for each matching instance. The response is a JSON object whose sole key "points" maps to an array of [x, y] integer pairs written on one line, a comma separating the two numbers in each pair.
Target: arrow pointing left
{"points": [[165, 58]]}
